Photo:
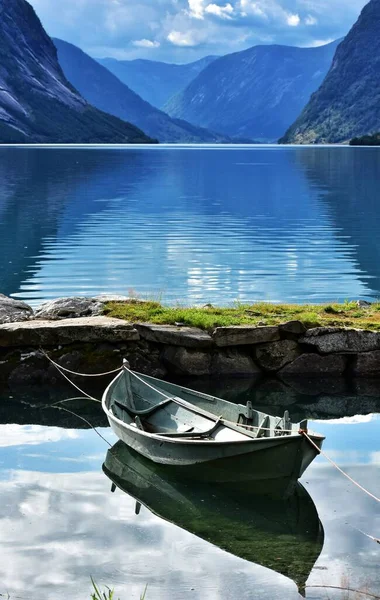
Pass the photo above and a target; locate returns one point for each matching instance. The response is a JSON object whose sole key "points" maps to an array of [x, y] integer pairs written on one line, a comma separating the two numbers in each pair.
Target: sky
{"points": [[181, 31]]}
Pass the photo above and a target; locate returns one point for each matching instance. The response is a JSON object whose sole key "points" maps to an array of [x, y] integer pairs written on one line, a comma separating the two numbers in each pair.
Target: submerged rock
{"points": [[13, 311]]}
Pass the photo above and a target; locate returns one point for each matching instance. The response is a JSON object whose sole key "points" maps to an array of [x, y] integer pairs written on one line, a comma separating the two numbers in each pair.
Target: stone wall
{"points": [[74, 334]]}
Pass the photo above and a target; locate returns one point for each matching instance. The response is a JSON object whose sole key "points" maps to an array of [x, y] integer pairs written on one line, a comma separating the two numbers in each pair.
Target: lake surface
{"points": [[60, 524], [191, 225]]}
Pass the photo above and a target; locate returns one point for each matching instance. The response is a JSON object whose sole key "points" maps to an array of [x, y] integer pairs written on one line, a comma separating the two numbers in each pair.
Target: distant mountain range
{"points": [[37, 103], [256, 93], [347, 104], [105, 91], [156, 82], [329, 93]]}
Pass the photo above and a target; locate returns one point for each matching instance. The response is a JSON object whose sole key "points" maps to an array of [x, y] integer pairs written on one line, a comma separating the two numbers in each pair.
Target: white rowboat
{"points": [[173, 425]]}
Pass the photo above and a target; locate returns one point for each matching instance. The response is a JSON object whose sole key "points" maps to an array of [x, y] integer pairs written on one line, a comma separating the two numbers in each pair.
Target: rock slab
{"points": [[13, 311], [187, 361], [243, 336], [69, 308], [275, 355], [367, 364], [330, 340], [187, 337], [315, 364], [51, 333]]}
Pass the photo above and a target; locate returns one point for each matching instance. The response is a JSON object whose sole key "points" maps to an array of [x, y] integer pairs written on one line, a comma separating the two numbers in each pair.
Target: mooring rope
{"points": [[336, 587], [339, 469], [86, 421], [80, 374], [254, 427]]}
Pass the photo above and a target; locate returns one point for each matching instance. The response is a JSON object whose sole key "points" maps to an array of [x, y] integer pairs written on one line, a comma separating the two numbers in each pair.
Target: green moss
{"points": [[347, 314]]}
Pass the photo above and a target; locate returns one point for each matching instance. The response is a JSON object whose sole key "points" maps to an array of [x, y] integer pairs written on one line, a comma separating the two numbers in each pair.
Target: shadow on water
{"points": [[322, 398], [304, 398], [285, 536], [348, 184]]}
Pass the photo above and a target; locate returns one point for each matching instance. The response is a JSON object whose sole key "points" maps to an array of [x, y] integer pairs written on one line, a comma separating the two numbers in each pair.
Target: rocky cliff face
{"points": [[156, 82], [37, 104], [348, 103], [254, 94], [105, 91]]}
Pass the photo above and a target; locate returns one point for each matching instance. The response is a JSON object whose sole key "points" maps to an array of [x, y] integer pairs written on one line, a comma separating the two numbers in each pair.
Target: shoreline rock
{"points": [[95, 343]]}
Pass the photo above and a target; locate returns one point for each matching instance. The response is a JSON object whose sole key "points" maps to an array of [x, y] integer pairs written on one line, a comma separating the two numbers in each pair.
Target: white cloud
{"points": [[247, 7], [181, 39], [205, 26], [293, 20], [33, 435], [310, 20], [196, 9], [224, 12], [146, 43]]}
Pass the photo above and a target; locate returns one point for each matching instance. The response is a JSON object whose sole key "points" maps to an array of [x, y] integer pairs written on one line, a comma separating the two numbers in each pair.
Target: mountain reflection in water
{"points": [[285, 536]]}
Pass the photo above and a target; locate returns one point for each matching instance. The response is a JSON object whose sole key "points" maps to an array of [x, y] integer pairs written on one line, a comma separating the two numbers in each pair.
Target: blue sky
{"points": [[185, 30]]}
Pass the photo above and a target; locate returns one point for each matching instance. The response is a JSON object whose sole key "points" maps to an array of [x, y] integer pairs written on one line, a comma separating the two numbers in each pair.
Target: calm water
{"points": [[59, 523], [191, 225]]}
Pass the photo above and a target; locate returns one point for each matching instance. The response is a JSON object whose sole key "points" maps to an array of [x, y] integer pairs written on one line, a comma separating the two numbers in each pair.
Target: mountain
{"points": [[256, 93], [37, 103], [348, 102], [154, 81], [105, 91]]}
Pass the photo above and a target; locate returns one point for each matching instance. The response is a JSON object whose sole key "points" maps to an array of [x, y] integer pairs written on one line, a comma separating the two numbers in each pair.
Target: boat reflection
{"points": [[284, 535]]}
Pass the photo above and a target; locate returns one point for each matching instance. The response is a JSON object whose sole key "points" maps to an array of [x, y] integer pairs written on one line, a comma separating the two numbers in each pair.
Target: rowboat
{"points": [[284, 535], [173, 425]]}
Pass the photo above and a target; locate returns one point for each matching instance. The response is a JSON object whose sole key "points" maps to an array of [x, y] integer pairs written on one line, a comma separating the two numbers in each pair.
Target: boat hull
{"points": [[274, 463]]}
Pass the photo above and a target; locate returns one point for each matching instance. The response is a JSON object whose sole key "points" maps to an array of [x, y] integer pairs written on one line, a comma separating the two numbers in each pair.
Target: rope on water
{"points": [[339, 469], [86, 421], [335, 587], [80, 374], [69, 380]]}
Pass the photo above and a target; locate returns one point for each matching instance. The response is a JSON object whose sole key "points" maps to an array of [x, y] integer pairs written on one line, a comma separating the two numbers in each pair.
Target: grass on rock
{"points": [[348, 315]]}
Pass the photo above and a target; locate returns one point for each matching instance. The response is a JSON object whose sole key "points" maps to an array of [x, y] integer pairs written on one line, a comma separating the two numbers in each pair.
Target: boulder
{"points": [[274, 356], [328, 340], [292, 329], [69, 308], [314, 364], [186, 361], [187, 337], [367, 364], [13, 311], [51, 333], [242, 335], [232, 363]]}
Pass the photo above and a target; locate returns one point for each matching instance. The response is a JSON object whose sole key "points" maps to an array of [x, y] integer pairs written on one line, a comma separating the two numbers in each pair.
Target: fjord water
{"points": [[191, 224], [60, 524]]}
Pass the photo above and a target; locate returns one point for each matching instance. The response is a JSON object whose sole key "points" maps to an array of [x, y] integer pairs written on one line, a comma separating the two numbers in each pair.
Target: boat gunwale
{"points": [[263, 440]]}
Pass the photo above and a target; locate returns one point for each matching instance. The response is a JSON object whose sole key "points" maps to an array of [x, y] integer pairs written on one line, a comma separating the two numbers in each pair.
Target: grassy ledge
{"points": [[348, 314]]}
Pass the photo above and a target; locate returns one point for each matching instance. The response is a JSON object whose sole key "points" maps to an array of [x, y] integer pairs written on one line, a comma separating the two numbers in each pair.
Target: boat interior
{"points": [[155, 407]]}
